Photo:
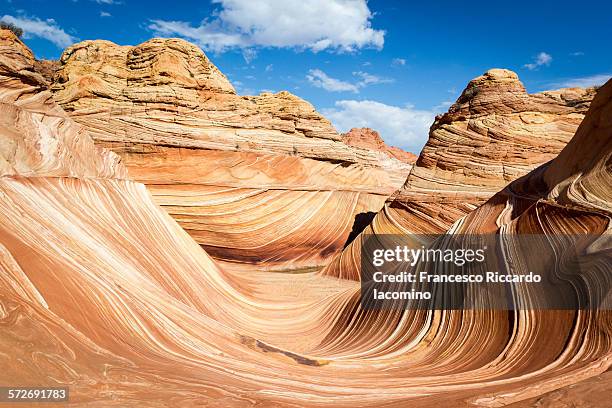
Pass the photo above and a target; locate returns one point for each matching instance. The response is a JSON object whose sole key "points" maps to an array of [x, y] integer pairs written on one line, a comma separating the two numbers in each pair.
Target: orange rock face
{"points": [[256, 180], [103, 292], [367, 138]]}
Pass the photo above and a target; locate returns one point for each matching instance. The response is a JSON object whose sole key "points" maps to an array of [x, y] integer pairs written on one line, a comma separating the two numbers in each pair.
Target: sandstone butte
{"points": [[494, 133], [367, 138], [262, 180], [102, 291]]}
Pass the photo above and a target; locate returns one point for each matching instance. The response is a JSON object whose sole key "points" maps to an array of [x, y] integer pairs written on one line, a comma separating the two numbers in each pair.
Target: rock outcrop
{"points": [[494, 133], [367, 138], [47, 68], [38, 138], [256, 180]]}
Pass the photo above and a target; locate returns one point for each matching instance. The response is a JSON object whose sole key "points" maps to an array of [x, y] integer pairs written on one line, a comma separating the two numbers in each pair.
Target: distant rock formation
{"points": [[367, 138], [254, 179]]}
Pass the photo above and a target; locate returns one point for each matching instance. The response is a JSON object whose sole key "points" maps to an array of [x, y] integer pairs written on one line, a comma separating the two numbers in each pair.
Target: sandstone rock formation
{"points": [[494, 133], [261, 180], [568, 195], [367, 138], [38, 138], [103, 292]]}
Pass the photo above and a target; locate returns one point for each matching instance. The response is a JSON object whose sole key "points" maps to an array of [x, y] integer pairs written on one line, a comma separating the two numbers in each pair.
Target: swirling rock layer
{"points": [[103, 292], [568, 195], [255, 180]]}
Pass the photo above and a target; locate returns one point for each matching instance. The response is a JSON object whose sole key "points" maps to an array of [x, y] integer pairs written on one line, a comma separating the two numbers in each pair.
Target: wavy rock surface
{"points": [[367, 138], [102, 291], [259, 180], [494, 133], [559, 354]]}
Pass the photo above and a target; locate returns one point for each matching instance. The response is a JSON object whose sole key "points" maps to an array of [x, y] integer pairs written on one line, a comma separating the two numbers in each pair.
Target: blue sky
{"points": [[390, 65]]}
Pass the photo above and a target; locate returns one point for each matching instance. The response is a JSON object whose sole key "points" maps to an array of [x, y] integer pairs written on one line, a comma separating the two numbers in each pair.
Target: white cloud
{"points": [[398, 62], [405, 127], [249, 54], [107, 1], [320, 79], [369, 79], [339, 25], [105, 14], [541, 59], [210, 36], [269, 67], [585, 82], [47, 29], [577, 54]]}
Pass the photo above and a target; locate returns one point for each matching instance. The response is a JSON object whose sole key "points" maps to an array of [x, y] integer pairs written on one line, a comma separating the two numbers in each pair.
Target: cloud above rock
{"points": [[542, 59], [320, 79], [45, 29], [317, 25]]}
